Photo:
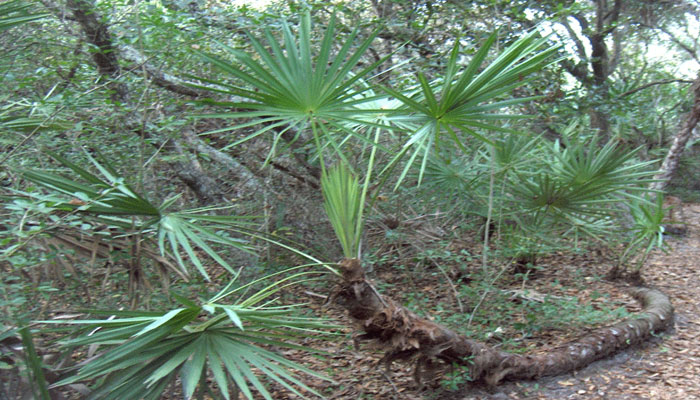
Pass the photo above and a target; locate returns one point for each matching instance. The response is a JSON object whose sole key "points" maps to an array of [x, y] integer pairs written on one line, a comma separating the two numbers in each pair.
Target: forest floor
{"points": [[668, 367]]}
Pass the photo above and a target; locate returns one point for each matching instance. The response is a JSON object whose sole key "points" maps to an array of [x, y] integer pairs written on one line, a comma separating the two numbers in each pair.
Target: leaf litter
{"points": [[664, 368]]}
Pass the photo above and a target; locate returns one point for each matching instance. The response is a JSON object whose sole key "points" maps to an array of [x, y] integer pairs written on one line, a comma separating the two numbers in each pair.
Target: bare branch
{"points": [[97, 34], [246, 179], [611, 18], [578, 71], [693, 52], [664, 82], [581, 21], [156, 75]]}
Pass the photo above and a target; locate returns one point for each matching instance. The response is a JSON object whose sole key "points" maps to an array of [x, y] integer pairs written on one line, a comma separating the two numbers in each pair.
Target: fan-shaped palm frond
{"points": [[110, 200], [286, 87], [597, 171], [146, 351], [461, 103], [647, 231]]}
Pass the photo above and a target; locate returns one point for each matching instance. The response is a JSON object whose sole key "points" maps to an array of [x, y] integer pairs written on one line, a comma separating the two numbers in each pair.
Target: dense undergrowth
{"points": [[160, 232]]}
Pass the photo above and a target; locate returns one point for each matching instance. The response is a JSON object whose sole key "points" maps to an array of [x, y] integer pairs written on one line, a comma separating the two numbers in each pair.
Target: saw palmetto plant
{"points": [[107, 200], [287, 88], [343, 202], [461, 104], [647, 232], [229, 339]]}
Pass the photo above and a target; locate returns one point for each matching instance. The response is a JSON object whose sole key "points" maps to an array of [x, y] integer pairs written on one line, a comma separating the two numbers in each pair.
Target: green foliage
{"points": [[462, 100], [111, 201], [457, 376], [521, 313], [545, 195], [16, 12], [569, 192], [647, 231], [583, 180], [343, 203], [315, 87], [35, 370], [287, 87], [144, 352]]}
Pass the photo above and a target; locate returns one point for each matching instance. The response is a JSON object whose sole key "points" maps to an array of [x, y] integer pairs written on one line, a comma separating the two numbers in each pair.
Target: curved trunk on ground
{"points": [[406, 336], [670, 164]]}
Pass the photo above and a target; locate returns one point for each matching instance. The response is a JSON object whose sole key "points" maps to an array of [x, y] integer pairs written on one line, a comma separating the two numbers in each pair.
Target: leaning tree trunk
{"points": [[104, 56], [189, 171], [670, 164], [406, 336]]}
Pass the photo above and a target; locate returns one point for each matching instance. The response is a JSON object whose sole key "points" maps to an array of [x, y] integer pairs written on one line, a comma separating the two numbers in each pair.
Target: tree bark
{"points": [[158, 77], [189, 172], [406, 336], [246, 180], [601, 63], [105, 56], [670, 164]]}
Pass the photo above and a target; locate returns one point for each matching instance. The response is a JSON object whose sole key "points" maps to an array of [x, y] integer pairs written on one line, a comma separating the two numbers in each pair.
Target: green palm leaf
{"points": [[286, 84], [458, 104], [647, 231], [343, 200], [599, 171], [15, 12], [109, 198], [146, 351]]}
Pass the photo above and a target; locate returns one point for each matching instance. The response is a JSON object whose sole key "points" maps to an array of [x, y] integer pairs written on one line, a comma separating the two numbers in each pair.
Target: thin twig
{"points": [[452, 285], [483, 297], [312, 294], [635, 90], [376, 293], [388, 378]]}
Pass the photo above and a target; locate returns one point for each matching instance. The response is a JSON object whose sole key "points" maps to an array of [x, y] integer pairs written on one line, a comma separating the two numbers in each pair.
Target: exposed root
{"points": [[408, 337]]}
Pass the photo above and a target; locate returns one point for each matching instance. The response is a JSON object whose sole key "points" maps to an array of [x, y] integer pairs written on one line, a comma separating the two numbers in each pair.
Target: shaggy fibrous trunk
{"points": [[406, 336]]}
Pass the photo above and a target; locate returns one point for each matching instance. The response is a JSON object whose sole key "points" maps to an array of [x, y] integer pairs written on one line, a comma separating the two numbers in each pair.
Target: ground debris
{"points": [[665, 369]]}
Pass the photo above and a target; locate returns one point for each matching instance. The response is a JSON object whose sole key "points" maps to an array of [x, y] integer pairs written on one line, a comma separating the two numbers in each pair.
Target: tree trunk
{"points": [[105, 56], [406, 336], [597, 31], [189, 172], [670, 164]]}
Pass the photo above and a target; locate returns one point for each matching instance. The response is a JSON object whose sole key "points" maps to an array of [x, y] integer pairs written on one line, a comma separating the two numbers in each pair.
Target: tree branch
{"points": [[611, 18], [664, 82], [98, 35], [578, 71], [156, 75], [246, 179], [693, 53]]}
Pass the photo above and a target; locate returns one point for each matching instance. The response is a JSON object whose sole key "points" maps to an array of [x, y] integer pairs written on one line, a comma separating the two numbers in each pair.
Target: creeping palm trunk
{"points": [[406, 336]]}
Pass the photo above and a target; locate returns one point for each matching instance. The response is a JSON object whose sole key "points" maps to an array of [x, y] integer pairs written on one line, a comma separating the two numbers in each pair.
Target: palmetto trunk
{"points": [[407, 336]]}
